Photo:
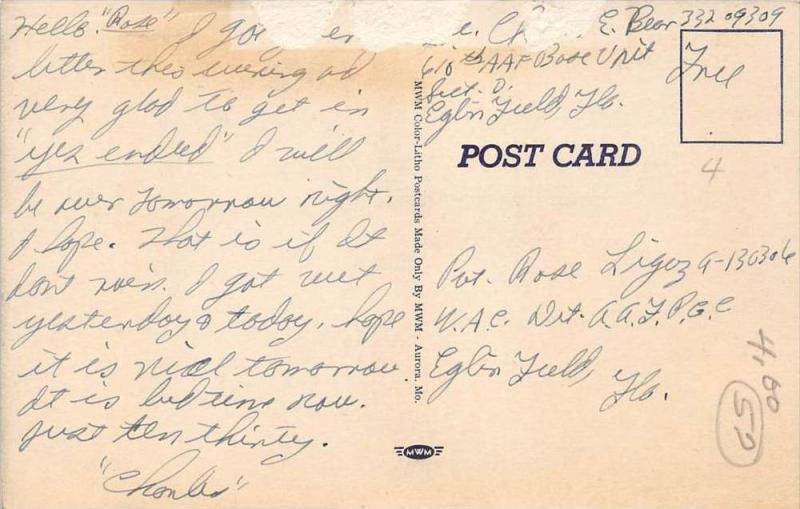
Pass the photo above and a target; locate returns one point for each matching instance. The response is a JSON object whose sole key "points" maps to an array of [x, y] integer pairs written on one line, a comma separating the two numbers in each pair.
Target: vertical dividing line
{"points": [[680, 81], [781, 34]]}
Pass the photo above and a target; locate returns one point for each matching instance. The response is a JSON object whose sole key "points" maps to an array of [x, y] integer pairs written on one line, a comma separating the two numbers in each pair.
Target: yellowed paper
{"points": [[400, 254]]}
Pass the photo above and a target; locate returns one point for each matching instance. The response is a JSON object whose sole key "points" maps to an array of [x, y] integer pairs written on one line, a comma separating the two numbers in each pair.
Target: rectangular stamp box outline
{"points": [[680, 79]]}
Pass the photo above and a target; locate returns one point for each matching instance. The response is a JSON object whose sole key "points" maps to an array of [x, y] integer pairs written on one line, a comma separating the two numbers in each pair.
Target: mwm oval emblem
{"points": [[419, 451]]}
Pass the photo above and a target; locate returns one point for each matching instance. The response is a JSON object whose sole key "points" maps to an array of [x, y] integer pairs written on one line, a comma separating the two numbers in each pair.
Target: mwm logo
{"points": [[419, 451]]}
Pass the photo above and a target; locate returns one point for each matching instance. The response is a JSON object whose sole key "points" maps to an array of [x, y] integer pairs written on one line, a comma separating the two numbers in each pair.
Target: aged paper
{"points": [[400, 254]]}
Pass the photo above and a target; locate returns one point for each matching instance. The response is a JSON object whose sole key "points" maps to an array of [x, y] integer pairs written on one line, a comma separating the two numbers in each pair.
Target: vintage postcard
{"points": [[399, 254]]}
